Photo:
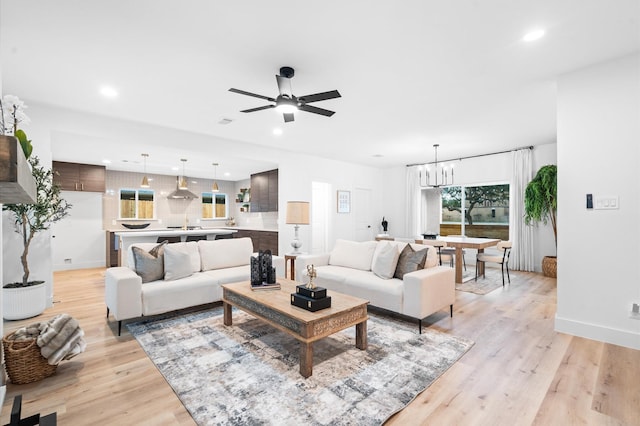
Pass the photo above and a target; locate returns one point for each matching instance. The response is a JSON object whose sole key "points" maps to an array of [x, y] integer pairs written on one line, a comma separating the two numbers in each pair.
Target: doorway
{"points": [[363, 215], [320, 210]]}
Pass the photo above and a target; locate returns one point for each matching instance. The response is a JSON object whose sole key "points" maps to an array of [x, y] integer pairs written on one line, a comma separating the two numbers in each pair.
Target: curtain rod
{"points": [[471, 156]]}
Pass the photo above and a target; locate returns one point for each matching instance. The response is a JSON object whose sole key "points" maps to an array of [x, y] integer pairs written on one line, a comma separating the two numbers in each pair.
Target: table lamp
{"points": [[297, 214]]}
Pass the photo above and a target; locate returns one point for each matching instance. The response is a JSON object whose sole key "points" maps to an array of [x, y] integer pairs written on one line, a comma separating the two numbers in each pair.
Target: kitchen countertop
{"points": [[163, 232], [251, 228]]}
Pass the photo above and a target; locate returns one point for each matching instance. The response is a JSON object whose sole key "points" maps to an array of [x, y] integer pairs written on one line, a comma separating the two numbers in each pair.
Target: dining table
{"points": [[460, 243]]}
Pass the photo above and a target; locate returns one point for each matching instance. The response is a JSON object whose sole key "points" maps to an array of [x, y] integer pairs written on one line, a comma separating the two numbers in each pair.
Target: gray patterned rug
{"points": [[248, 374]]}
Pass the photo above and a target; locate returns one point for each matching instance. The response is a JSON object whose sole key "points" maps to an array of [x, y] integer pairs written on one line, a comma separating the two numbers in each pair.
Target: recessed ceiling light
{"points": [[108, 92], [105, 161], [534, 35], [227, 174], [377, 155], [224, 121], [277, 131], [175, 168]]}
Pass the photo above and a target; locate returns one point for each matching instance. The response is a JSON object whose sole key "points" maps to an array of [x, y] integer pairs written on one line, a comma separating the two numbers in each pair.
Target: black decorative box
{"points": [[310, 304], [315, 293]]}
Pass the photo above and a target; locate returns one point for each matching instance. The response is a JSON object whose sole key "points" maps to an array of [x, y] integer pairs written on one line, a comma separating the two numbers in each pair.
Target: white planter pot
{"points": [[24, 302]]}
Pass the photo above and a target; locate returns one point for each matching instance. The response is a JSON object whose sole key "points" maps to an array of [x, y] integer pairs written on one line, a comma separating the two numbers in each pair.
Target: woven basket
{"points": [[550, 266], [24, 362]]}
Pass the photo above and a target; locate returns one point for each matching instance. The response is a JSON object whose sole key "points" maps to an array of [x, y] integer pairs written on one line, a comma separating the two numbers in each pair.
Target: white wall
{"points": [[78, 241], [599, 154], [482, 170]]}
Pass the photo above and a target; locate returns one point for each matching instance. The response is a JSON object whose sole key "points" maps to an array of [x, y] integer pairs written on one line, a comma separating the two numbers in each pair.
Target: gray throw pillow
{"points": [[149, 265], [410, 261]]}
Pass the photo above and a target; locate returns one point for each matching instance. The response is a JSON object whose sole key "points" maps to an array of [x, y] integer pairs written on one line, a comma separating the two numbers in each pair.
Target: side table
{"points": [[292, 269]]}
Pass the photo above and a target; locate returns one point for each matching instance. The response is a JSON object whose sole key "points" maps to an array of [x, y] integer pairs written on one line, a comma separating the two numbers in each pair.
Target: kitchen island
{"points": [[124, 238]]}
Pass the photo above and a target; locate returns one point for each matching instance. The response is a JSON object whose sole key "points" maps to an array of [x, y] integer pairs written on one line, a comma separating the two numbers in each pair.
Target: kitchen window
{"points": [[214, 206], [137, 204]]}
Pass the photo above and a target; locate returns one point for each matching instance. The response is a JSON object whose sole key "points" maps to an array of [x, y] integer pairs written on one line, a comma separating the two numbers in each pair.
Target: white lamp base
{"points": [[296, 243]]}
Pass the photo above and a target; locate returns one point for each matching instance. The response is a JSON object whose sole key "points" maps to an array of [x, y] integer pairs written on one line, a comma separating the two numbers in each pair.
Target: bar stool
{"points": [[196, 237], [168, 239]]}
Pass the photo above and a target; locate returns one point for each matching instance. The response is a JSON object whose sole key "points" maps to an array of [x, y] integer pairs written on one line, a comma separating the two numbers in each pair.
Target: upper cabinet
{"points": [[79, 177], [264, 191]]}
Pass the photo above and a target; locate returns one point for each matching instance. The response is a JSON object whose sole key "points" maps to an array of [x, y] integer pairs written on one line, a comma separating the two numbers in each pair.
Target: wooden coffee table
{"points": [[274, 307]]}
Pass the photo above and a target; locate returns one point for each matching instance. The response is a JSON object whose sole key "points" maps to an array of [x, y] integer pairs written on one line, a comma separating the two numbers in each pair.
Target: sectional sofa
{"points": [[376, 271], [161, 278]]}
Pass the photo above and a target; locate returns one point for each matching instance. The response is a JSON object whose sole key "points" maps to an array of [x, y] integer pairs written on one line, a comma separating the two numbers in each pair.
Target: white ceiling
{"points": [[411, 73]]}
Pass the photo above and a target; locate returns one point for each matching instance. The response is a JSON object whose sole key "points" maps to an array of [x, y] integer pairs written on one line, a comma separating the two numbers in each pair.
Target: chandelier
{"points": [[440, 175]]}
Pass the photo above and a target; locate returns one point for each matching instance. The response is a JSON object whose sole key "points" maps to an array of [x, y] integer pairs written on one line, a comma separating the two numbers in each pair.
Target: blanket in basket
{"points": [[59, 339]]}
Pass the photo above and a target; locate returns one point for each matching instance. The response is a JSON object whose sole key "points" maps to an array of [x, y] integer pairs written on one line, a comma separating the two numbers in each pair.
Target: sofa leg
{"points": [[107, 312], [119, 327], [420, 326], [451, 310]]}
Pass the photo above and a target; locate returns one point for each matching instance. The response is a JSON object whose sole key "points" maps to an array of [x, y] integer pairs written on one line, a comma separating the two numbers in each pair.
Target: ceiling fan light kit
{"points": [[286, 102]]}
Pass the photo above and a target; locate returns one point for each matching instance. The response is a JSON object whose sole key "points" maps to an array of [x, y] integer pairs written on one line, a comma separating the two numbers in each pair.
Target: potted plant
{"points": [[28, 298], [541, 205]]}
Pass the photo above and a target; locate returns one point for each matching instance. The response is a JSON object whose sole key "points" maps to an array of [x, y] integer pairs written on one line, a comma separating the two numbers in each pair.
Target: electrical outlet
{"points": [[113, 222], [635, 311], [67, 261]]}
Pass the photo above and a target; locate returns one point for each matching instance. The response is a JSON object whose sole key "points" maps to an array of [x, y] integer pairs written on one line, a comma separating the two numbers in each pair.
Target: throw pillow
{"points": [[385, 260], [352, 254], [410, 261], [177, 262], [149, 264]]}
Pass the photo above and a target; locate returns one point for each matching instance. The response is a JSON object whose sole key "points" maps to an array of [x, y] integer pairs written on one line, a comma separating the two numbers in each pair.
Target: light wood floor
{"points": [[520, 372]]}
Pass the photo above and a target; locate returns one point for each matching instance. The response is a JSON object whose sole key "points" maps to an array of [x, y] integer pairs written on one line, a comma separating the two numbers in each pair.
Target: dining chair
{"points": [[502, 259], [168, 239], [441, 245]]}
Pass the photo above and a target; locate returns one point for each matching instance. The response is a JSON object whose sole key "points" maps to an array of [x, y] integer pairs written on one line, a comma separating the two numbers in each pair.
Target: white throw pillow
{"points": [[227, 253], [177, 263], [385, 260], [352, 254]]}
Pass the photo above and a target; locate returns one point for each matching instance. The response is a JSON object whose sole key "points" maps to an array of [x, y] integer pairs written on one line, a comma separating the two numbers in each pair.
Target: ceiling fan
{"points": [[286, 102]]}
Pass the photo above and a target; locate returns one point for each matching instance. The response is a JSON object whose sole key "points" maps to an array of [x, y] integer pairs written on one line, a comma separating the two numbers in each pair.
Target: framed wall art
{"points": [[344, 201]]}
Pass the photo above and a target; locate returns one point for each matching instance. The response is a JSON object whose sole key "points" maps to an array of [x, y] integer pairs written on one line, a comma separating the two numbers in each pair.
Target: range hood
{"points": [[181, 194]]}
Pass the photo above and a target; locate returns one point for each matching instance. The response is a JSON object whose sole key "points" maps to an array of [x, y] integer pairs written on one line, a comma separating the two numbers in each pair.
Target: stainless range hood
{"points": [[181, 194]]}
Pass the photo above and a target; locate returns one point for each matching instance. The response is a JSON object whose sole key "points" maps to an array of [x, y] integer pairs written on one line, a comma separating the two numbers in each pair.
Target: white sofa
{"points": [[193, 273], [362, 269]]}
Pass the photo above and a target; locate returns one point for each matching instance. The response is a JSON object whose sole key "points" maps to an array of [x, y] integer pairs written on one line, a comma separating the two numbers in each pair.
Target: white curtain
{"points": [[521, 234], [412, 219]]}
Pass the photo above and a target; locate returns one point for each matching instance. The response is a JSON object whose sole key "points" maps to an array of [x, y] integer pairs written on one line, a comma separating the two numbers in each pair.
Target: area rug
{"points": [[484, 285], [248, 374]]}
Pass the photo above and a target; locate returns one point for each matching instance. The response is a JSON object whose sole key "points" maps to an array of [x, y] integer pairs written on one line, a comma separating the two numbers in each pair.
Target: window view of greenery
{"points": [[486, 210], [214, 206], [136, 203]]}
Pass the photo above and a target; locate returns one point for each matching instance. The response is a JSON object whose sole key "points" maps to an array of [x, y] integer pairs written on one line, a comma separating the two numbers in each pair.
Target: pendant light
{"points": [[145, 179], [441, 170], [214, 187], [183, 180]]}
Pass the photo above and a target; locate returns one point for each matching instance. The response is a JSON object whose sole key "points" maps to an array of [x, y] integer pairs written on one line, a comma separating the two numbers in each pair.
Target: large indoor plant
{"points": [[541, 205], [26, 298]]}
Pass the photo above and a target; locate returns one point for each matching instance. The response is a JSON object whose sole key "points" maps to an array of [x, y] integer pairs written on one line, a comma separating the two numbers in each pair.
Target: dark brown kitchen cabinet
{"points": [[112, 249], [262, 240], [79, 177], [264, 191]]}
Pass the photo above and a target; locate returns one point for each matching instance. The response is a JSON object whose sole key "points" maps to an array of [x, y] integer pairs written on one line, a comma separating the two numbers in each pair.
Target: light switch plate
{"points": [[606, 202]]}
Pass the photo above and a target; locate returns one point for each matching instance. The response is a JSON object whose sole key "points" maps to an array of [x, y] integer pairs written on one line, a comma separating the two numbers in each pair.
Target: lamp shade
{"points": [[298, 212]]}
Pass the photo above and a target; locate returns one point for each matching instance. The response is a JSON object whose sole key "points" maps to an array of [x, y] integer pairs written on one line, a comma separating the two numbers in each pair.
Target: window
{"points": [[214, 206], [136, 204], [486, 211]]}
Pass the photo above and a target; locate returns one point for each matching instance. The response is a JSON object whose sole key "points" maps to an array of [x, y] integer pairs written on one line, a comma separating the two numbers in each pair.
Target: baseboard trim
{"points": [[614, 336]]}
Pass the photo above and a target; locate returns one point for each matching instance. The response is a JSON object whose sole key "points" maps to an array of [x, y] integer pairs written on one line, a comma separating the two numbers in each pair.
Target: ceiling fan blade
{"points": [[316, 110], [258, 108], [242, 92], [288, 117], [319, 96], [284, 85]]}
